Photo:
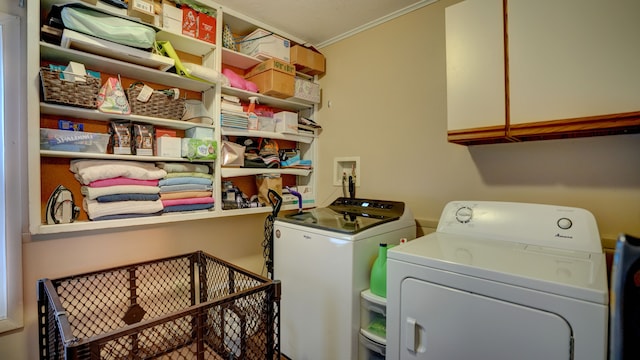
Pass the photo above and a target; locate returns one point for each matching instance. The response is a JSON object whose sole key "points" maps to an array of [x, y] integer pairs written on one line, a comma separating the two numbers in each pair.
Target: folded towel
{"points": [[122, 181], [87, 171], [125, 216], [184, 167], [188, 201], [128, 197], [185, 194], [185, 187], [96, 209], [93, 193], [190, 174], [191, 207], [184, 180]]}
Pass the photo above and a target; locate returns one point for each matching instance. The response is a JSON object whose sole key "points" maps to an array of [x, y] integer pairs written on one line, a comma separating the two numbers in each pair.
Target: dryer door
{"points": [[438, 322]]}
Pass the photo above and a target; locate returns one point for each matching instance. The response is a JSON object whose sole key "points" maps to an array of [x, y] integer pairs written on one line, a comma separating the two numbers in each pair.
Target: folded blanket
{"points": [[188, 201], [187, 173], [185, 187], [93, 193], [122, 181], [128, 197], [96, 209], [185, 194], [191, 207], [184, 180], [125, 216], [87, 171], [184, 167]]}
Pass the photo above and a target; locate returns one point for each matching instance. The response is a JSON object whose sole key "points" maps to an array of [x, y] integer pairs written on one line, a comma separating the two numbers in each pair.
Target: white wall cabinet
{"points": [[571, 69], [42, 162]]}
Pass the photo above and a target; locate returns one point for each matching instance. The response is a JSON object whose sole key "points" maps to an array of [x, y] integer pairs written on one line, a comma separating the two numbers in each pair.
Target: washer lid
{"points": [[576, 274], [350, 216]]}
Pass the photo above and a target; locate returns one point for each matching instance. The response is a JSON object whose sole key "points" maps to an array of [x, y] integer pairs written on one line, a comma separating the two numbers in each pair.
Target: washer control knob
{"points": [[464, 214], [565, 223]]}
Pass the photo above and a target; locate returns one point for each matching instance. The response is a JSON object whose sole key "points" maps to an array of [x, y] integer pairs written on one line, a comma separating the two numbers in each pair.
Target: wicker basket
{"points": [[74, 93], [160, 104]]}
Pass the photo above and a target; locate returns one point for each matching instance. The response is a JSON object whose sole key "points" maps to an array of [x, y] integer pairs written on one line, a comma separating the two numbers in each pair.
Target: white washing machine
{"points": [[323, 258], [500, 281]]}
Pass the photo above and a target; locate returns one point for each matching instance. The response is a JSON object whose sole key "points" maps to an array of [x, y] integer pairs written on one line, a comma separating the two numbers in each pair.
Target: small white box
{"points": [[307, 90], [286, 122], [171, 18], [199, 132], [264, 45], [168, 146]]}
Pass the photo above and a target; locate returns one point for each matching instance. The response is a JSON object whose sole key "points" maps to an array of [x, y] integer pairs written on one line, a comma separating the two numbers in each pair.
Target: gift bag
{"points": [[266, 182], [111, 98], [232, 154]]}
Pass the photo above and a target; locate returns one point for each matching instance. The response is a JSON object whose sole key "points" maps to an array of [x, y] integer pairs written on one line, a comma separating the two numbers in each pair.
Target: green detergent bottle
{"points": [[378, 284]]}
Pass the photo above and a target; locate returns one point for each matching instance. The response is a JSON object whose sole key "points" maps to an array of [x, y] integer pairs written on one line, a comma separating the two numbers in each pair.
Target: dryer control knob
{"points": [[464, 214], [565, 223]]}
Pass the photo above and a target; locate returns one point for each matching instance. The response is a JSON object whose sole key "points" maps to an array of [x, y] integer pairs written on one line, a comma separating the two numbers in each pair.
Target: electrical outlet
{"points": [[347, 166]]}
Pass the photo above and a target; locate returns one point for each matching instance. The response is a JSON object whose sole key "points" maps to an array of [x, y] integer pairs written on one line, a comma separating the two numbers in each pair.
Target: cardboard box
{"points": [[274, 78], [286, 122], [171, 17], [168, 146], [264, 45], [189, 21], [307, 90], [142, 9], [272, 64], [274, 83], [206, 28], [307, 61]]}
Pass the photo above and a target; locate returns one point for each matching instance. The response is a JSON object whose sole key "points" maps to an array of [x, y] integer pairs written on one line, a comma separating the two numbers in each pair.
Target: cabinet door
{"points": [[573, 58], [438, 322], [475, 65]]}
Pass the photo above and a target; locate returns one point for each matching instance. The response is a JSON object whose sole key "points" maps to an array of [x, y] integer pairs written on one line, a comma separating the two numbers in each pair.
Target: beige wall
{"points": [[387, 88]]}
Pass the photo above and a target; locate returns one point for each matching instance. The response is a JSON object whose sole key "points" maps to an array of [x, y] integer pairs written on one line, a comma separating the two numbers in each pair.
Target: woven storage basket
{"points": [[159, 105], [74, 93]]}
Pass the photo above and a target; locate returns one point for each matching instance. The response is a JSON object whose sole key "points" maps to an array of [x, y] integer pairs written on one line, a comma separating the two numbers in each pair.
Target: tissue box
{"points": [[189, 21], [206, 28], [263, 45], [167, 146], [201, 149], [286, 122]]}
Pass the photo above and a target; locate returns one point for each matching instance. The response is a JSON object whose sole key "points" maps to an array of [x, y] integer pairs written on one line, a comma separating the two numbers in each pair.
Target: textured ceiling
{"points": [[320, 22]]}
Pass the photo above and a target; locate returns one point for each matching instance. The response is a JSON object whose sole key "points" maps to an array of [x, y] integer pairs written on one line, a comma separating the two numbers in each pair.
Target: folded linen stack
{"points": [[186, 187], [115, 189]]}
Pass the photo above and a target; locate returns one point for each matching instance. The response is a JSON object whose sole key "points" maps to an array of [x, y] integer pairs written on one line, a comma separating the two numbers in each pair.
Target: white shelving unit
{"points": [[213, 56]]}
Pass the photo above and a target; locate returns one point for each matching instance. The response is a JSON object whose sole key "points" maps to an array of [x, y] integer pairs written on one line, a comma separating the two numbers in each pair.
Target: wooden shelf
{"points": [[62, 55]]}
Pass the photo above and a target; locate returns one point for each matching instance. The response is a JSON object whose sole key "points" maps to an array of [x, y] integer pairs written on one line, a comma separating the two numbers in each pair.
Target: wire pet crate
{"points": [[191, 306]]}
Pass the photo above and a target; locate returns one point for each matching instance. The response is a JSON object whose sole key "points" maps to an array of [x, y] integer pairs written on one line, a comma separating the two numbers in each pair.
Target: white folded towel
{"points": [[87, 171]]}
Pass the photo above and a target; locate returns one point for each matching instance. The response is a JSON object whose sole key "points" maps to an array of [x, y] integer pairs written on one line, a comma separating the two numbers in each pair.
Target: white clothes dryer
{"points": [[500, 281]]}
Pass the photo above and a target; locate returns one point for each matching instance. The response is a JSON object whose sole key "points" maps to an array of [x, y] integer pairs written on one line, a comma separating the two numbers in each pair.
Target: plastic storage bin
{"points": [[371, 350], [192, 306], [78, 141]]}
